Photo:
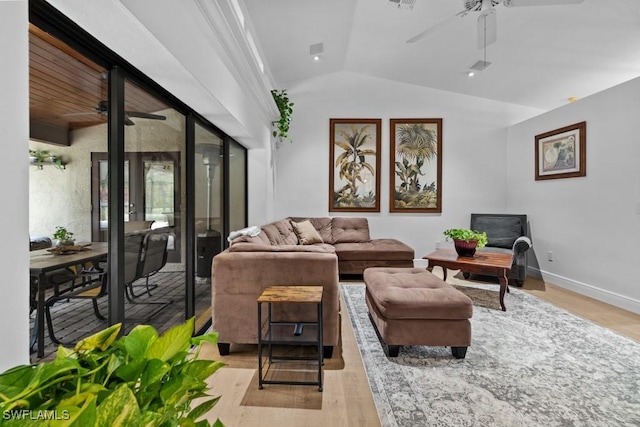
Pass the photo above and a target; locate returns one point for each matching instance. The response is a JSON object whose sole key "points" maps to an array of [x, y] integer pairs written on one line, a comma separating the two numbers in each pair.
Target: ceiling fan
{"points": [[487, 23], [103, 107]]}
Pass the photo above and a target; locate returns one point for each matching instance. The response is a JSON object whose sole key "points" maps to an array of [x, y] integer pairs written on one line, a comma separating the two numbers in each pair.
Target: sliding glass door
{"points": [[237, 181], [121, 156]]}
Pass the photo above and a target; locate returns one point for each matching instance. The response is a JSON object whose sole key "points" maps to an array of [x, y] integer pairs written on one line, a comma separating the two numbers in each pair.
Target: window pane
{"points": [[209, 211], [154, 148], [237, 186]]}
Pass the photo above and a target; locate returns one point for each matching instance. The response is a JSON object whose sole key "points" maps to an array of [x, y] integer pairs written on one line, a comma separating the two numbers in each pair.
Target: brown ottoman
{"points": [[411, 306]]}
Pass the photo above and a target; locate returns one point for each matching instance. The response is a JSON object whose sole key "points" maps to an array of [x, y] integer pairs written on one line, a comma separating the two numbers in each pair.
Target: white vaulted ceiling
{"points": [[543, 55]]}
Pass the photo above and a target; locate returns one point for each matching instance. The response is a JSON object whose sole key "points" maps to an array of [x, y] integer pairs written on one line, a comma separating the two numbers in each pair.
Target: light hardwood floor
{"points": [[346, 399], [622, 321]]}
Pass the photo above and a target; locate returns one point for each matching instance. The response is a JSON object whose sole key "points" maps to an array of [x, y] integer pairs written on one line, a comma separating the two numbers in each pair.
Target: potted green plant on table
{"points": [[466, 241], [63, 237], [141, 379]]}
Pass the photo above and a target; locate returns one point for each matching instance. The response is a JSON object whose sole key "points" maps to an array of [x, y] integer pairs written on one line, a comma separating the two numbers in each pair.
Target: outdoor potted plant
{"points": [[63, 237], [40, 157], [466, 241], [141, 379]]}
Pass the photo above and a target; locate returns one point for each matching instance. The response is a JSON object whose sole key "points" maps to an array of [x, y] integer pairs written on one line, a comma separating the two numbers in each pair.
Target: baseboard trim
{"points": [[609, 297]]}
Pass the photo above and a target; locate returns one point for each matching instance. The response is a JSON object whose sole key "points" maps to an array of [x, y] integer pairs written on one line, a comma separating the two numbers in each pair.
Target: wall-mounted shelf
{"points": [[40, 165]]}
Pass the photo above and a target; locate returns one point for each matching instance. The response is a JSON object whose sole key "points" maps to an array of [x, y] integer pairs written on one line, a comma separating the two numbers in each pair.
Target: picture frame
{"points": [[415, 178], [562, 153], [354, 165]]}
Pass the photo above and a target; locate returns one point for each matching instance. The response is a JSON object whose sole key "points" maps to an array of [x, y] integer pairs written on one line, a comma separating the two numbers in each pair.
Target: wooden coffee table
{"points": [[492, 263]]}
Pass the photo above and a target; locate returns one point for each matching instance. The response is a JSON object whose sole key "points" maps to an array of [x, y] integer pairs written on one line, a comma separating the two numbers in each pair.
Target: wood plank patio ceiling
{"points": [[67, 90]]}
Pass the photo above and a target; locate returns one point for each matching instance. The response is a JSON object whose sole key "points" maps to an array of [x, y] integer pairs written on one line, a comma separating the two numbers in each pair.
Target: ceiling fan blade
{"points": [[145, 115], [487, 29], [87, 113], [128, 121], [518, 3], [436, 27]]}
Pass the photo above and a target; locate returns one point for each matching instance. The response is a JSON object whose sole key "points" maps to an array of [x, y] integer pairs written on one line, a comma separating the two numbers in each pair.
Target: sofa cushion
{"points": [[280, 233], [307, 234], [321, 224], [253, 247], [349, 230], [39, 242], [374, 250], [501, 231], [260, 239]]}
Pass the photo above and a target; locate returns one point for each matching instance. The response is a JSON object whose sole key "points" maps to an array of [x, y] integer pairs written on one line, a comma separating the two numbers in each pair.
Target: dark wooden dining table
{"points": [[42, 262]]}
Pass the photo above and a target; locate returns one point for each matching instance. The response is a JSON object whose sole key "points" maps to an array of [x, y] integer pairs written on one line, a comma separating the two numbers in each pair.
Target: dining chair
{"points": [[152, 260], [90, 282]]}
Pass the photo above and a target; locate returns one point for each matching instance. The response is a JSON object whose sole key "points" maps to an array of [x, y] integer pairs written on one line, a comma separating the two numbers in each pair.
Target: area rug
{"points": [[482, 297], [533, 365]]}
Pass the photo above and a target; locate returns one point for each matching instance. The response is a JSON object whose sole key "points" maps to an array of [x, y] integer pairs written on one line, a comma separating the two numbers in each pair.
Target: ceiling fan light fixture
{"points": [[402, 4]]}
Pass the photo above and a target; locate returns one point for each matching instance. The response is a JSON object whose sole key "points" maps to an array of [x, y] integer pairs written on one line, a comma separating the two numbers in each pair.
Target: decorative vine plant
{"points": [[286, 111]]}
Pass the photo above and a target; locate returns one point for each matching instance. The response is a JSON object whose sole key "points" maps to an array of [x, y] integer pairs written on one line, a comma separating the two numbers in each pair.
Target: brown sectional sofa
{"points": [[275, 257]]}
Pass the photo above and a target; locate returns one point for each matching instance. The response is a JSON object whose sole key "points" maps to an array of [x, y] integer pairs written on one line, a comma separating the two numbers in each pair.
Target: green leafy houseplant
{"points": [[141, 379], [466, 241], [286, 111], [467, 236], [63, 236], [40, 157]]}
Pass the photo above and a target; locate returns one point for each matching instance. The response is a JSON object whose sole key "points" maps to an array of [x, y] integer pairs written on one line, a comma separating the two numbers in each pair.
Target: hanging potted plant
{"points": [[285, 107], [40, 157], [466, 241]]}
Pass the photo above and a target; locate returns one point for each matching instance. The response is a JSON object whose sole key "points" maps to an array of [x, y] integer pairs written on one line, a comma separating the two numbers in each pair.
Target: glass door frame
{"points": [[46, 17]]}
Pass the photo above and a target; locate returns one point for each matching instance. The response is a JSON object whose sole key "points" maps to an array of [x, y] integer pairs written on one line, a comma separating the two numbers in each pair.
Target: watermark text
{"points": [[30, 414]]}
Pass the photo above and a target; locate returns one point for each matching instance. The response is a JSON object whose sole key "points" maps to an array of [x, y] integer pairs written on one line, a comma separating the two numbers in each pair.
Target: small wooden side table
{"points": [[498, 264], [272, 332]]}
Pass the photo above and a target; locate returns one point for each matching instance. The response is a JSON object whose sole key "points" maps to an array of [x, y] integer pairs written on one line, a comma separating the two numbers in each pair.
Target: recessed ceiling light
{"points": [[471, 74], [316, 58]]}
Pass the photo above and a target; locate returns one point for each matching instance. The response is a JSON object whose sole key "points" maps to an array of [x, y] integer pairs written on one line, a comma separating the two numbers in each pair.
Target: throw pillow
{"points": [[307, 235]]}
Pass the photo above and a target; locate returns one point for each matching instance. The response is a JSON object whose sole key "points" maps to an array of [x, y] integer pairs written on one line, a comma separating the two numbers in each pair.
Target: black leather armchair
{"points": [[506, 233]]}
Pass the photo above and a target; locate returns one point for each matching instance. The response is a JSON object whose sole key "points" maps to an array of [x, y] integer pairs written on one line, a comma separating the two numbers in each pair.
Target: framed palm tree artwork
{"points": [[416, 165], [354, 165]]}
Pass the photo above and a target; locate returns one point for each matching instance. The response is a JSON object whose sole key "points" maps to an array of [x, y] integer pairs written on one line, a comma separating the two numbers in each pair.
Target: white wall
{"points": [[474, 152], [592, 223], [14, 174]]}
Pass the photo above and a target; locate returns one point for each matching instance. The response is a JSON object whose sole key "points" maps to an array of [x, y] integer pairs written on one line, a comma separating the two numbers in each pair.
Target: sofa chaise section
{"points": [[242, 272], [354, 247]]}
